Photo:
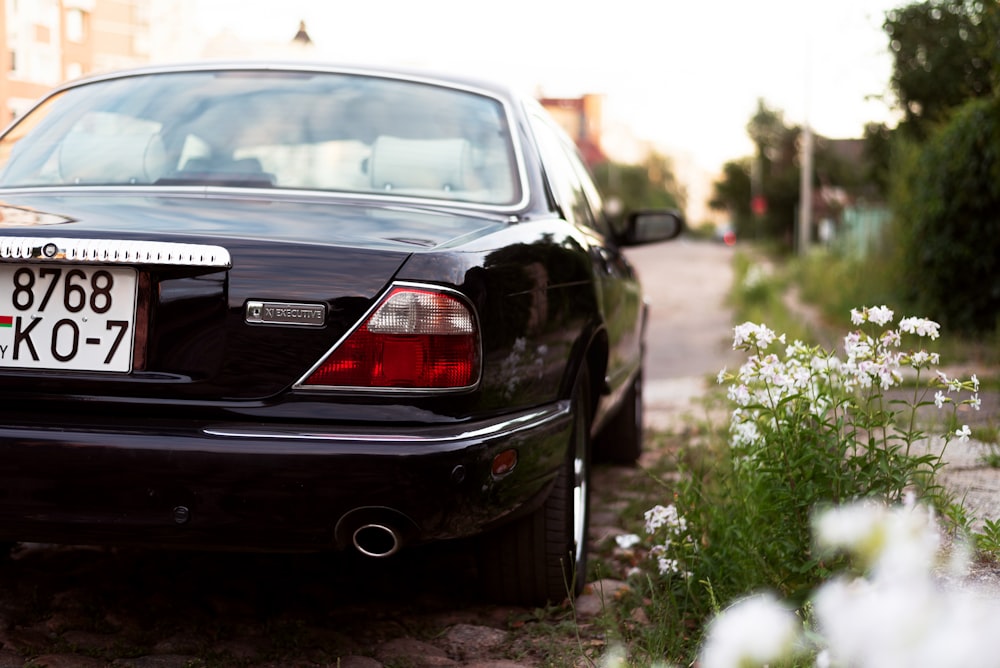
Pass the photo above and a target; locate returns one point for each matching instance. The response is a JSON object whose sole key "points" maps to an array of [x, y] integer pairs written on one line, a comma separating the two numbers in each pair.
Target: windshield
{"points": [[249, 128]]}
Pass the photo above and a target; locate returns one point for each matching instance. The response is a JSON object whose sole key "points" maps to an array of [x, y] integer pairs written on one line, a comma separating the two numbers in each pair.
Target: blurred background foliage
{"points": [[936, 173], [650, 184]]}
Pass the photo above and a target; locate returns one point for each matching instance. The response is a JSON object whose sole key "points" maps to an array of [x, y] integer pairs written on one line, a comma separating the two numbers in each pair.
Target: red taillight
{"points": [[416, 338]]}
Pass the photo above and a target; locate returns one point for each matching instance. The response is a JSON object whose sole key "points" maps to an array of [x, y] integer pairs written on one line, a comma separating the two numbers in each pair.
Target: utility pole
{"points": [[806, 148], [805, 189]]}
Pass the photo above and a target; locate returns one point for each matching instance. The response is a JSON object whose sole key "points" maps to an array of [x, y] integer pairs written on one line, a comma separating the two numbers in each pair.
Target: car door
{"points": [[617, 285]]}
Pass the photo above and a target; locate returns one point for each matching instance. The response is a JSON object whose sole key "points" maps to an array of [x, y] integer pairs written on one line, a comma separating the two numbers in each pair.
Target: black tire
{"points": [[542, 557], [620, 441]]}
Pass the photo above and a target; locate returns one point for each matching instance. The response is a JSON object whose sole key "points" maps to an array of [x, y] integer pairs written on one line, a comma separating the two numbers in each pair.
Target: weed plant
{"points": [[809, 430]]}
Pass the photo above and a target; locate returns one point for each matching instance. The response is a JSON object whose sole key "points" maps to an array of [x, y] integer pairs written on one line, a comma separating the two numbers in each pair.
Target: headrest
{"points": [[99, 157], [420, 164]]}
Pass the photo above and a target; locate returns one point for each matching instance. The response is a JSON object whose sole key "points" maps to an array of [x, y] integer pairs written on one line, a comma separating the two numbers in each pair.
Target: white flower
{"points": [[721, 378], [739, 394], [975, 383], [667, 565], [897, 542], [891, 339], [920, 327], [627, 541], [975, 401], [858, 346], [939, 399], [963, 434], [920, 359], [953, 384], [856, 528], [906, 624], [880, 315], [659, 516], [750, 334], [752, 632], [745, 433]]}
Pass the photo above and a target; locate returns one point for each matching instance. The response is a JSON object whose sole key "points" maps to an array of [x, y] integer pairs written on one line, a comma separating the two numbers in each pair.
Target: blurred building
{"points": [[46, 42], [582, 119]]}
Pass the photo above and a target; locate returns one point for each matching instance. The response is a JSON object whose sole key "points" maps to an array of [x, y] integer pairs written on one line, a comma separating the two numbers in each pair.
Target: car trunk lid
{"points": [[289, 278]]}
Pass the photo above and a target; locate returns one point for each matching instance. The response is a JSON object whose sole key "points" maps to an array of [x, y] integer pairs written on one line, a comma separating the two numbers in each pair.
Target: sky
{"points": [[684, 76]]}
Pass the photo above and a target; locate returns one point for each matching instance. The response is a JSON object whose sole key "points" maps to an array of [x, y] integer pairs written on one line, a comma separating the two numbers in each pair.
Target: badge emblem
{"points": [[285, 313]]}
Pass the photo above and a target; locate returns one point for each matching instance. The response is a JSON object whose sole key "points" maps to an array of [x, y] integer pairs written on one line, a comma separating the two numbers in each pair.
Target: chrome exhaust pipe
{"points": [[376, 540], [374, 531]]}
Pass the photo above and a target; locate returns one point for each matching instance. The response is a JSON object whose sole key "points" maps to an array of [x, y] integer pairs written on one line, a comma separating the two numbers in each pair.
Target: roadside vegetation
{"points": [[801, 520], [792, 441]]}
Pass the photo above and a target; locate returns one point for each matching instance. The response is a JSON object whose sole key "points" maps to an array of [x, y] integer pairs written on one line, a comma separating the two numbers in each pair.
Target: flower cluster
{"points": [[813, 429], [766, 381], [754, 631], [895, 615], [749, 335], [769, 386], [664, 529]]}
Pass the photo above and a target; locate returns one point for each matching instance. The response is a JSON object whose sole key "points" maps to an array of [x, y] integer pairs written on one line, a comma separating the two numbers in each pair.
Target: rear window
{"points": [[245, 128]]}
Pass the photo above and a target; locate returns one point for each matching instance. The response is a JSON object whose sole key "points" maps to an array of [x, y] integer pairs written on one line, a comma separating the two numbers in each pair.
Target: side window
{"points": [[590, 192], [562, 174]]}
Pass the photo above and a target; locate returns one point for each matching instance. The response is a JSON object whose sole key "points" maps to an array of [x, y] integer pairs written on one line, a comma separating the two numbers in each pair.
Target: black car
{"points": [[298, 307]]}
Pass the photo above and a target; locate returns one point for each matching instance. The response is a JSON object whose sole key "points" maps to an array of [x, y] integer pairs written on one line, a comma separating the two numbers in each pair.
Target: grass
{"points": [[834, 285]]}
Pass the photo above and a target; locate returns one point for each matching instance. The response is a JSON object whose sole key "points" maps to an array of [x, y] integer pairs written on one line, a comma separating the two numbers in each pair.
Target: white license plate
{"points": [[67, 317]]}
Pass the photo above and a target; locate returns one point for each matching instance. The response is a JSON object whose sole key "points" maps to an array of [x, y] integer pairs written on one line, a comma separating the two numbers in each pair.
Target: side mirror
{"points": [[646, 227]]}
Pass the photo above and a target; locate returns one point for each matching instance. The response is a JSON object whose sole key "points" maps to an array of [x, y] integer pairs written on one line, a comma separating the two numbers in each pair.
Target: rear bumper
{"points": [[240, 486]]}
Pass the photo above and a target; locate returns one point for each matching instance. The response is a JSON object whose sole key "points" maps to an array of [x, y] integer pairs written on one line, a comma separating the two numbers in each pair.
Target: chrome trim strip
{"points": [[280, 193], [113, 251], [505, 428]]}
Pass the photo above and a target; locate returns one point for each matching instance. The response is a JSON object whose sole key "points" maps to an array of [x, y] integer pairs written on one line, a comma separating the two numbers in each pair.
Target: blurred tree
{"points": [[772, 177], [732, 193], [946, 197], [944, 53], [878, 156], [942, 163], [651, 184]]}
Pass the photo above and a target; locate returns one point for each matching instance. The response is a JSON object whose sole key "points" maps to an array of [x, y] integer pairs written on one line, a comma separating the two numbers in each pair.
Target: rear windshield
{"points": [[299, 130]]}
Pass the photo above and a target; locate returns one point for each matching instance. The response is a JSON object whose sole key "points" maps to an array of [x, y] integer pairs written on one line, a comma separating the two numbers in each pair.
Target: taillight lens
{"points": [[415, 338]]}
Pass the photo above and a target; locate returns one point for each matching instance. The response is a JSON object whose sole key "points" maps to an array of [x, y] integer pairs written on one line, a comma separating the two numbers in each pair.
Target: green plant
{"points": [[946, 196], [988, 540], [758, 293], [992, 458], [808, 430], [835, 283]]}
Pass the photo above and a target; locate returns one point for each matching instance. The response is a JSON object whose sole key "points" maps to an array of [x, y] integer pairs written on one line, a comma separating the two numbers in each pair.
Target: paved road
{"points": [[691, 330]]}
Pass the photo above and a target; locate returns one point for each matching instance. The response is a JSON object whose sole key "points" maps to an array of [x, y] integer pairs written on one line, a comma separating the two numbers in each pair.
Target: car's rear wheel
{"points": [[620, 442], [542, 557]]}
